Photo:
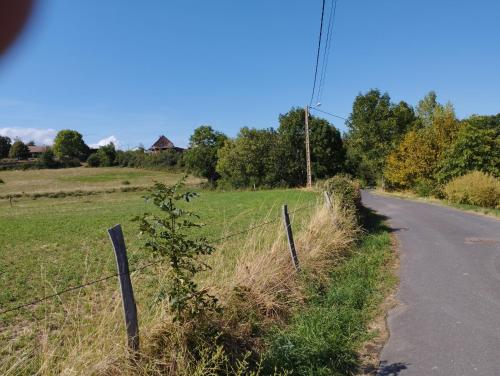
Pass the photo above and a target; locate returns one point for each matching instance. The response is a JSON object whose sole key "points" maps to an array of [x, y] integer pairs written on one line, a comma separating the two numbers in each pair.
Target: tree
{"points": [[428, 107], [31, 143], [376, 127], [106, 155], [201, 157], [46, 159], [19, 150], [5, 144], [69, 144], [327, 150], [474, 149], [93, 160], [248, 160], [418, 156]]}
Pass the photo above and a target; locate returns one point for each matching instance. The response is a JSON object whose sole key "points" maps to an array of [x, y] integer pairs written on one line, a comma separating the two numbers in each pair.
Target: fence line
{"points": [[138, 269]]}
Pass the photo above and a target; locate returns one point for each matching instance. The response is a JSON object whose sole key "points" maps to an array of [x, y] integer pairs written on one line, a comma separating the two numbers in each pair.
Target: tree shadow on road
{"points": [[375, 223], [392, 369]]}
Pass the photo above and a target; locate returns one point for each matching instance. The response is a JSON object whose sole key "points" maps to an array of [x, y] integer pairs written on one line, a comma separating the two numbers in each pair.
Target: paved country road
{"points": [[447, 320]]}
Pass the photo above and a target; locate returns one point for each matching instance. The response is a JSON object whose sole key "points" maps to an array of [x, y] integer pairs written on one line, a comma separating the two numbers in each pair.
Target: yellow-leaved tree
{"points": [[417, 157]]}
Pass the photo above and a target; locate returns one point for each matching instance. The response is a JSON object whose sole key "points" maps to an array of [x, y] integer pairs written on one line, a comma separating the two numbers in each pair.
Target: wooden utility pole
{"points": [[308, 149]]}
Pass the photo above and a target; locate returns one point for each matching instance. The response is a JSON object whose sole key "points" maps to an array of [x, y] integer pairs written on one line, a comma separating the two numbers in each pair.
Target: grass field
{"points": [[80, 178], [49, 244]]}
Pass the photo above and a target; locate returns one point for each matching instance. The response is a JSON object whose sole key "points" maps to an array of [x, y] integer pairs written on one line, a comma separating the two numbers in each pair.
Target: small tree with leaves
{"points": [[170, 238]]}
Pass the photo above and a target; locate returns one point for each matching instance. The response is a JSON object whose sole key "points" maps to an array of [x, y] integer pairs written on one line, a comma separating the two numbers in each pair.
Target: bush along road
{"points": [[447, 320]]}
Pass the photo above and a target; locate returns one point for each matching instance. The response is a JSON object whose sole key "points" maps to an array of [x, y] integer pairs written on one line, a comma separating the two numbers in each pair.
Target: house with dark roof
{"points": [[37, 151], [162, 144]]}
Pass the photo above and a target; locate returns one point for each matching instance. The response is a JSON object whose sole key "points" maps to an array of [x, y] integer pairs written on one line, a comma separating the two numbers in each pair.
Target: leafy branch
{"points": [[169, 236]]}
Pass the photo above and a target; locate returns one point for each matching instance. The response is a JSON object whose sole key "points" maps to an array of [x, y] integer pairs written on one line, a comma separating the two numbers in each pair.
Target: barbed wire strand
{"points": [[73, 288]]}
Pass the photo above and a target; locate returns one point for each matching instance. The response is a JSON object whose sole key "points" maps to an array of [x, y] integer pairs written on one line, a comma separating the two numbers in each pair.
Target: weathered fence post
{"points": [[289, 235], [328, 200], [129, 308]]}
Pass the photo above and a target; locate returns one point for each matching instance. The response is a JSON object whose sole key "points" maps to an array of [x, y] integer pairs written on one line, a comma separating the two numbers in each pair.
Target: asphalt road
{"points": [[447, 320]]}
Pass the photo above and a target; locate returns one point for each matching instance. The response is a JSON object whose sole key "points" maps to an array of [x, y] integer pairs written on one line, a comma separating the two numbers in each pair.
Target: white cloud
{"points": [[40, 136], [106, 141]]}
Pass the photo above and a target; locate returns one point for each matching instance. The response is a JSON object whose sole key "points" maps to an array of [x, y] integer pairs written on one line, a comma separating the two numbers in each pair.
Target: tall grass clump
{"points": [[325, 335], [475, 188]]}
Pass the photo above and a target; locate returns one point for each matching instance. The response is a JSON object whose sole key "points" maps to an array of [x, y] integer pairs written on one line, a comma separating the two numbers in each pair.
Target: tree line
{"points": [[266, 157], [391, 144], [420, 148]]}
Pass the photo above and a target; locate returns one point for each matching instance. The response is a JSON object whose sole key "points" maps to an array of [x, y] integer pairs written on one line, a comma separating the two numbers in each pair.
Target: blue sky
{"points": [[135, 70]]}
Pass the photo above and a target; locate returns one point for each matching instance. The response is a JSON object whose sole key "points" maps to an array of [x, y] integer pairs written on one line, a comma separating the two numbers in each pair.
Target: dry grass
{"points": [[253, 277], [80, 178]]}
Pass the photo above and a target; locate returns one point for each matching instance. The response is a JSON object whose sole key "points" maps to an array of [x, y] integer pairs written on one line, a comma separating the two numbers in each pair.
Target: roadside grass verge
{"points": [[408, 195], [325, 338]]}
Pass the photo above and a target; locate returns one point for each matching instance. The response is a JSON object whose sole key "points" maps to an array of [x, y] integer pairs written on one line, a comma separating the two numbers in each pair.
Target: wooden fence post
{"points": [[328, 200], [129, 308], [289, 235]]}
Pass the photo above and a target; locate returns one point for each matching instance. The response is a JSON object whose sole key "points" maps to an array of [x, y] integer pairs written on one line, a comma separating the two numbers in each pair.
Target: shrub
{"points": [[345, 189], [125, 182], [474, 188], [93, 160], [1, 181], [424, 187], [475, 148], [168, 238], [107, 155], [47, 160], [70, 162]]}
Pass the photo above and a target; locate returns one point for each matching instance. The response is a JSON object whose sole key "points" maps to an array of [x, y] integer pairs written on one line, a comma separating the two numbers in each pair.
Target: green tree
{"points": [[69, 144], [428, 107], [474, 149], [5, 144], [248, 160], [19, 150], [106, 155], [46, 159], [201, 157], [93, 160], [376, 127], [327, 150]]}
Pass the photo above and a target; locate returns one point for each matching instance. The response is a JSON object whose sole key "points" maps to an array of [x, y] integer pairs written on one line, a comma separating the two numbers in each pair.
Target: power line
{"points": [[326, 52], [73, 288], [318, 52], [329, 113]]}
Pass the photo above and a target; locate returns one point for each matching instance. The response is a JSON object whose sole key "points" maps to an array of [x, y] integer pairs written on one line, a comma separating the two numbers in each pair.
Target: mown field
{"points": [[50, 244], [81, 178]]}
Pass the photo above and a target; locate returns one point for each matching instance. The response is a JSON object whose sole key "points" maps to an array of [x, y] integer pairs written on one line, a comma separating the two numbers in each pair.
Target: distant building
{"points": [[36, 151], [162, 144]]}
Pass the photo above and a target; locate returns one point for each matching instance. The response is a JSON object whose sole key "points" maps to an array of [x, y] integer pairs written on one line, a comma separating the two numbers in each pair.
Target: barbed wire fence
{"points": [[142, 267], [124, 272]]}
